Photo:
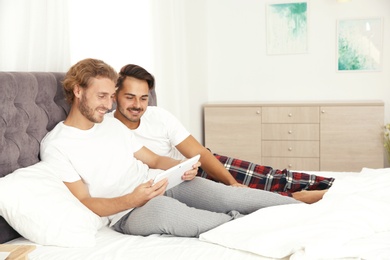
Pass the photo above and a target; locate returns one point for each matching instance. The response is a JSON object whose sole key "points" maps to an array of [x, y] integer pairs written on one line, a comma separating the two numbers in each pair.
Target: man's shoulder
{"points": [[57, 129], [112, 121], [156, 112]]}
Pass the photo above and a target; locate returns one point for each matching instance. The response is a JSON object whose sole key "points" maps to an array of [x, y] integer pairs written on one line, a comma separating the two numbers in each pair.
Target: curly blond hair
{"points": [[82, 73]]}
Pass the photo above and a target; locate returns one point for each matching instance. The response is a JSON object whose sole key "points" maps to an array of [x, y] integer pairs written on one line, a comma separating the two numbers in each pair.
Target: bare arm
{"points": [[109, 206], [153, 160], [190, 147]]}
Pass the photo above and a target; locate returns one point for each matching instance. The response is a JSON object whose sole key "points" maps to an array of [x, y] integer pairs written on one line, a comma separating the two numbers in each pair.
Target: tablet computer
{"points": [[175, 173]]}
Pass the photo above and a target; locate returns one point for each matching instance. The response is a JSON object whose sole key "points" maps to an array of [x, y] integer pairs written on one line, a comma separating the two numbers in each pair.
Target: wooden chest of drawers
{"points": [[291, 137], [327, 136]]}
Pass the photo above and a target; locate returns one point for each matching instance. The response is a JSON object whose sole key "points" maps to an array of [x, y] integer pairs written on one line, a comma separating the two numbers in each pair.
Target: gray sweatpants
{"points": [[194, 207]]}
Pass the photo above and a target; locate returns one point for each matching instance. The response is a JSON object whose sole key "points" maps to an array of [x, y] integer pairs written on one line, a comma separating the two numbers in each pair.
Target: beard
{"points": [[129, 116], [89, 112]]}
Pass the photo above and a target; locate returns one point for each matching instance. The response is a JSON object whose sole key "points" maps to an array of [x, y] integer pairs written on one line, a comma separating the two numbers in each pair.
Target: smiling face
{"points": [[95, 100], [132, 101]]}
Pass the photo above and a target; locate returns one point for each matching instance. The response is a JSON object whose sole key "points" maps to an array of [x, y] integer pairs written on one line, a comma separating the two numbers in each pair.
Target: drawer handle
{"points": [[290, 149], [258, 112], [290, 165], [289, 115], [323, 111], [290, 132]]}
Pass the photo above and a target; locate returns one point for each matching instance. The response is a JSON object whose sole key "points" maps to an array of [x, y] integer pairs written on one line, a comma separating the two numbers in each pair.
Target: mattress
{"points": [[113, 245], [301, 233]]}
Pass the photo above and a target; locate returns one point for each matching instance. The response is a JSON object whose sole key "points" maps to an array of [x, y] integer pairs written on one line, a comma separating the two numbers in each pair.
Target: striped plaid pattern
{"points": [[262, 177]]}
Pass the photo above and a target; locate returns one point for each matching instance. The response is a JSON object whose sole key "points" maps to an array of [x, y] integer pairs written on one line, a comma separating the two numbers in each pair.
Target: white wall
{"points": [[239, 68]]}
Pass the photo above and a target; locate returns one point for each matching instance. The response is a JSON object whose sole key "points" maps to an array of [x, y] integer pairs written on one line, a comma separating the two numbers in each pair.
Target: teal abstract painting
{"points": [[287, 28], [359, 45]]}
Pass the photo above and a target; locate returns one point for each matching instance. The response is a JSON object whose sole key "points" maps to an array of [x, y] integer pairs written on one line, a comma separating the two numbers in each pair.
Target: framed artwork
{"points": [[359, 44], [287, 30]]}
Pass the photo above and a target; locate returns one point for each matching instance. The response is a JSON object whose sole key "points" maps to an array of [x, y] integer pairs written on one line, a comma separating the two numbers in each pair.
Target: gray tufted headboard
{"points": [[31, 104]]}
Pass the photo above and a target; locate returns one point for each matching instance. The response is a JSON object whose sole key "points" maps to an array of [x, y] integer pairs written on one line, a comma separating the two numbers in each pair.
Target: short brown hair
{"points": [[137, 72], [82, 72]]}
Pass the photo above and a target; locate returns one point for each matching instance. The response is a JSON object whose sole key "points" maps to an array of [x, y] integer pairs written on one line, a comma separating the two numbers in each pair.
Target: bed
{"points": [[351, 222]]}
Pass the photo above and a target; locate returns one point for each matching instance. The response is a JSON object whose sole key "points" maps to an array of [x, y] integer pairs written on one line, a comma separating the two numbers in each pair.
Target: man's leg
{"points": [[193, 207], [263, 177], [212, 196], [165, 215]]}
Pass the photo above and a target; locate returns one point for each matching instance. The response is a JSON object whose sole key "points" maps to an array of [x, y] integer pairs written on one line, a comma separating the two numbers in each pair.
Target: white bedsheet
{"points": [[351, 221], [341, 225], [112, 245]]}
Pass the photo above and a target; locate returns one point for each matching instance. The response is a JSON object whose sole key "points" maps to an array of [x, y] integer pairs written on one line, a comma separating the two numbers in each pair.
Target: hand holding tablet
{"points": [[175, 173]]}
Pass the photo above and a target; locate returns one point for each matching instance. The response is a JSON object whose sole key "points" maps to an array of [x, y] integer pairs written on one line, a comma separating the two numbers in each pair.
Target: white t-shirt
{"points": [[160, 131], [103, 157]]}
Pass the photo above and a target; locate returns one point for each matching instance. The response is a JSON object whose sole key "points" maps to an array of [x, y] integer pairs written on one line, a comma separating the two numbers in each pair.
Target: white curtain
{"points": [[180, 59], [34, 35], [52, 35], [163, 36], [116, 31]]}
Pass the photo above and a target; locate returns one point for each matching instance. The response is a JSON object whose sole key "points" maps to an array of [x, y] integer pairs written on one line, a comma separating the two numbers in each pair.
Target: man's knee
{"points": [[157, 205]]}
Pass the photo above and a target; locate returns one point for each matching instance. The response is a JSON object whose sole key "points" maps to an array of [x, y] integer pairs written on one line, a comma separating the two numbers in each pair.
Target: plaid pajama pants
{"points": [[262, 177]]}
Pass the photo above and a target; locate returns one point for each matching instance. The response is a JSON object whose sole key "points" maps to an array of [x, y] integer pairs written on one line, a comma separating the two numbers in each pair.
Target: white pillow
{"points": [[37, 204]]}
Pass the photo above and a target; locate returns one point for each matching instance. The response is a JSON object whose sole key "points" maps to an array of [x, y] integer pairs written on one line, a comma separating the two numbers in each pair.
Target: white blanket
{"points": [[351, 221]]}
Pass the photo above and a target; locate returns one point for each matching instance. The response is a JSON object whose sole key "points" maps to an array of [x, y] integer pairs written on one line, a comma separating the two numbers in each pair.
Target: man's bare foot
{"points": [[309, 196]]}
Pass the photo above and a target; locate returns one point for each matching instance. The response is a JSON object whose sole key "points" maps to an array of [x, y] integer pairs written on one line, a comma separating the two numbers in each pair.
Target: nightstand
{"points": [[17, 252]]}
